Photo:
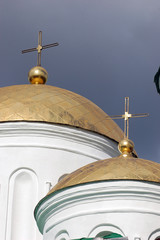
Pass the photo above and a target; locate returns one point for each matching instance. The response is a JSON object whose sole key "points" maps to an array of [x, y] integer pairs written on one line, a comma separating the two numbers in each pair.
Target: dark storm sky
{"points": [[108, 49]]}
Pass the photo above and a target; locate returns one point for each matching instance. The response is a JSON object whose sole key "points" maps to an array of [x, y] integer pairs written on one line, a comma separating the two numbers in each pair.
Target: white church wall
{"points": [[129, 208], [43, 152], [22, 197]]}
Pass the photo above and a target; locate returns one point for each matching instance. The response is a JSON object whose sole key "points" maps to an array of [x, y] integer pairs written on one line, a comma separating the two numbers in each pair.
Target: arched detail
{"points": [[155, 235], [106, 233], [62, 235], [23, 196], [100, 229]]}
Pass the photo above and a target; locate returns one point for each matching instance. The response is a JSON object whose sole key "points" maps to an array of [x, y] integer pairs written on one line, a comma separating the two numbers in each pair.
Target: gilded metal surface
{"points": [[37, 75], [119, 168], [55, 105], [126, 146]]}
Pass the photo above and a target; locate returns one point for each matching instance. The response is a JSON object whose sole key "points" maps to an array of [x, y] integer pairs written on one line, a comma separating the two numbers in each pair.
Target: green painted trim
{"points": [[111, 235], [47, 197]]}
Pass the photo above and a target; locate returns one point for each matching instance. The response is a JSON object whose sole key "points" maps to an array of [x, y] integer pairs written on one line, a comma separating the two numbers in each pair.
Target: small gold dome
{"points": [[37, 75], [119, 168], [43, 103], [126, 147]]}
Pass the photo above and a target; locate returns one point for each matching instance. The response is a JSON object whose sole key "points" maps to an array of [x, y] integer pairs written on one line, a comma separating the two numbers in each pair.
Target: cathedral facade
{"points": [[53, 144]]}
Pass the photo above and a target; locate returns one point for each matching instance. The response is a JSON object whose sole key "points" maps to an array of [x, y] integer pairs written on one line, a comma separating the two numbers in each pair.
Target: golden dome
{"points": [[42, 103], [119, 168]]}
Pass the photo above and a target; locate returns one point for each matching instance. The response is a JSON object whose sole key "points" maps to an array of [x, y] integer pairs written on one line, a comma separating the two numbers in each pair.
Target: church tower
{"points": [[45, 134], [112, 198], [115, 198]]}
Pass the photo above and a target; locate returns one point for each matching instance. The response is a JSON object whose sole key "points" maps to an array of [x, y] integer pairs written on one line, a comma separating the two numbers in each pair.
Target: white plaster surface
{"points": [[130, 208], [33, 157]]}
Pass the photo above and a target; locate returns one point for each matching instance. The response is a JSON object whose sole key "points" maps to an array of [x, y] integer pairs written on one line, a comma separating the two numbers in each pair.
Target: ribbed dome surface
{"points": [[55, 105], [119, 168]]}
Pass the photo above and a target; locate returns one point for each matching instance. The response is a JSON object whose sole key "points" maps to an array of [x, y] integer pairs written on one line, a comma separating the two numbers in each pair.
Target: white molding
{"points": [[67, 201], [154, 234], [102, 227], [19, 134]]}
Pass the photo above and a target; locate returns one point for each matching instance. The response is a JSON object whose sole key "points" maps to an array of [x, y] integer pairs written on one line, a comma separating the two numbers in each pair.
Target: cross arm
{"points": [[29, 50], [50, 45], [131, 116], [115, 117], [140, 115]]}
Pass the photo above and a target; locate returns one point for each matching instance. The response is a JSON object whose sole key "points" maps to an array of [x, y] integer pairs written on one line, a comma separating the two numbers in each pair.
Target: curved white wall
{"points": [[130, 208], [33, 157]]}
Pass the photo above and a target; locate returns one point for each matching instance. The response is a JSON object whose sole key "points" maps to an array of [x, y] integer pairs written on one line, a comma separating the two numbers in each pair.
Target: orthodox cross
{"points": [[39, 48], [126, 116]]}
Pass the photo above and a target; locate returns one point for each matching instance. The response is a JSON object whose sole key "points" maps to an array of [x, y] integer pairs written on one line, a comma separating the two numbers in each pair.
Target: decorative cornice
{"points": [[38, 131], [63, 200]]}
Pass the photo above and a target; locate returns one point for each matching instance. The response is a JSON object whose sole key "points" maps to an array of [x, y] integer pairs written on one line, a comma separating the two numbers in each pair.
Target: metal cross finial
{"points": [[126, 116], [39, 48]]}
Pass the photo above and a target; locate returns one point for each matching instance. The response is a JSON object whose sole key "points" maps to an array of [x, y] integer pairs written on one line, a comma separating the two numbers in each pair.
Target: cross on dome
{"points": [[39, 75], [40, 47], [126, 146], [126, 116]]}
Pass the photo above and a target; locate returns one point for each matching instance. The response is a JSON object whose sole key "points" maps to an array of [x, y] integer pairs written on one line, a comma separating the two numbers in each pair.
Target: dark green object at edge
{"points": [[112, 235], [157, 80]]}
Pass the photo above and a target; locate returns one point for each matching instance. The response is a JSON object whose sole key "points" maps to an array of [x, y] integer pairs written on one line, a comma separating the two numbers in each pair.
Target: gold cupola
{"points": [[38, 102], [49, 104], [123, 167]]}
